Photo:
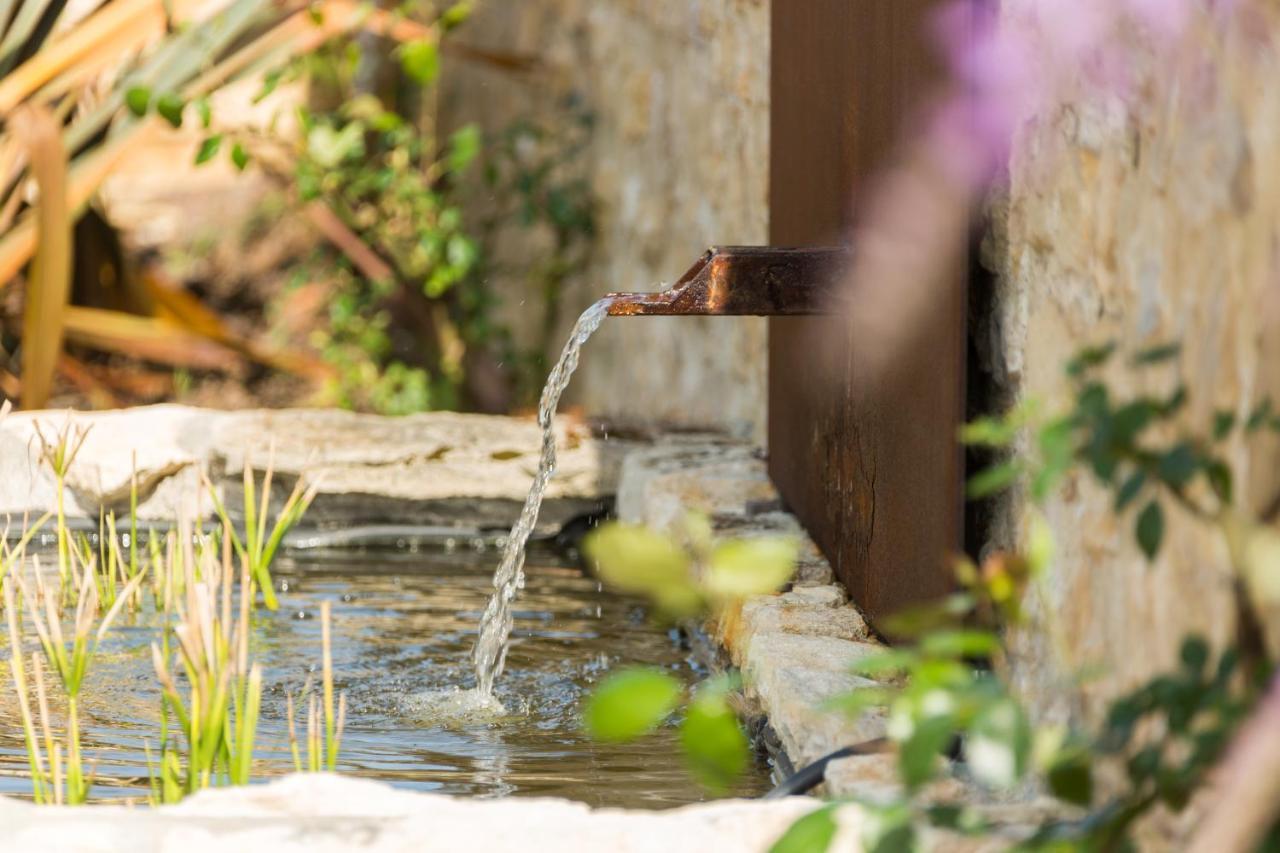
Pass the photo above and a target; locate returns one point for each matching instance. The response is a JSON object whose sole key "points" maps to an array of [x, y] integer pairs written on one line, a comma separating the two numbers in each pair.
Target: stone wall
{"points": [[1143, 219], [678, 160]]}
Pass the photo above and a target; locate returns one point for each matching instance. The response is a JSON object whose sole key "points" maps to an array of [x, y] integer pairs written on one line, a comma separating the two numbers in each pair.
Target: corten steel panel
{"points": [[869, 464]]}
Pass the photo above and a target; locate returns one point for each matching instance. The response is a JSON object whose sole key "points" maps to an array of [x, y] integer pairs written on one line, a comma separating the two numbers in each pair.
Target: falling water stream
{"points": [[495, 626]]}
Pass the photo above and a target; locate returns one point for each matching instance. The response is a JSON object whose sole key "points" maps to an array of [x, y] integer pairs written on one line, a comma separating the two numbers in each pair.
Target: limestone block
{"points": [[813, 611], [168, 443], [791, 679], [321, 813], [437, 468]]}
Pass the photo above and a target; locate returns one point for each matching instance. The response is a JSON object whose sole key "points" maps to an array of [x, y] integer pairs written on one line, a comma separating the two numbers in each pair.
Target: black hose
{"points": [[810, 776]]}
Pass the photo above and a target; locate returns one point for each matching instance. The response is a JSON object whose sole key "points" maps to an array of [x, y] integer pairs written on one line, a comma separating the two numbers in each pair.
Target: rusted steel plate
{"points": [[868, 463], [743, 280]]}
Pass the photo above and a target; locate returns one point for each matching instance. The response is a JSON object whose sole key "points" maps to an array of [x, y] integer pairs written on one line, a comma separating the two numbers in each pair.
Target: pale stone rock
{"points": [[792, 678], [169, 443], [320, 813], [439, 468]]}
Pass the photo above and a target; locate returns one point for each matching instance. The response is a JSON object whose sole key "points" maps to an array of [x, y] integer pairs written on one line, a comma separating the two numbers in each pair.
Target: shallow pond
{"points": [[405, 623]]}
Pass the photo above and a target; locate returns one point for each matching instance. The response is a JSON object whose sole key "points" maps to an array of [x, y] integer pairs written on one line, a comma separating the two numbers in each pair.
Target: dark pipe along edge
{"points": [[811, 775]]}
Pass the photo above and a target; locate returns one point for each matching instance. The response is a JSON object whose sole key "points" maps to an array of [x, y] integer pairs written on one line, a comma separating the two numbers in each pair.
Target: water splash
{"points": [[490, 652]]}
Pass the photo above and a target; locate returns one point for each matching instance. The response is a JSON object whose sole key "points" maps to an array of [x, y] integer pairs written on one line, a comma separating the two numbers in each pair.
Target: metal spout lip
{"points": [[744, 281]]}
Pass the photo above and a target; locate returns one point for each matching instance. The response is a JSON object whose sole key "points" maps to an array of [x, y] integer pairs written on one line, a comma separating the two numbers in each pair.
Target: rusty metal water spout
{"points": [[744, 280]]}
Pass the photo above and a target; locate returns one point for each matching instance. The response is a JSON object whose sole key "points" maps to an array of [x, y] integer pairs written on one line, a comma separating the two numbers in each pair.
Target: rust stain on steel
{"points": [[744, 280]]}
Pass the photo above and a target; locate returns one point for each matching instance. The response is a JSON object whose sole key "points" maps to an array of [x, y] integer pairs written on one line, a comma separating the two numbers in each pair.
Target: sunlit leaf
{"points": [[138, 100], [421, 60], [329, 147], [713, 741], [208, 148], [959, 643], [812, 833], [992, 480], [631, 703], [464, 147], [170, 106], [990, 432], [455, 14], [632, 558], [918, 752], [999, 744], [746, 567], [239, 157], [1040, 545]]}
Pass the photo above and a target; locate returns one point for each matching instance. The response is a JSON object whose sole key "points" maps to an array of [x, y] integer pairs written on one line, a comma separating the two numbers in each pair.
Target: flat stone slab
{"points": [[318, 813], [438, 468]]}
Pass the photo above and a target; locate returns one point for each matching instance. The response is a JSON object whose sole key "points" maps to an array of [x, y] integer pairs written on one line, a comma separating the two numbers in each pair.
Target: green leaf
{"points": [[999, 744], [1070, 777], [455, 15], [209, 148], [959, 644], [745, 567], [205, 111], [421, 60], [918, 754], [1220, 479], [239, 157], [990, 432], [170, 107], [1130, 489], [1090, 358], [634, 559], [1157, 354], [330, 147], [1260, 415], [812, 833], [992, 480], [1224, 421], [464, 147], [714, 744], [888, 829], [138, 99], [631, 703], [1150, 529], [1194, 654], [1179, 465]]}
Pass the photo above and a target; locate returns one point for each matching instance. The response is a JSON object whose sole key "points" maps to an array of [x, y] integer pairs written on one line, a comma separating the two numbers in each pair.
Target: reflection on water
{"points": [[404, 624]]}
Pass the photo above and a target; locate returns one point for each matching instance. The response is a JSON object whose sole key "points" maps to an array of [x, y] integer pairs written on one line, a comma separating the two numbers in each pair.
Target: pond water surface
{"points": [[404, 623]]}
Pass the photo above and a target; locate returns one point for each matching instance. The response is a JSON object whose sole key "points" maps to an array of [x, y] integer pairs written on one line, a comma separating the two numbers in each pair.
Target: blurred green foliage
{"points": [[944, 693], [684, 575]]}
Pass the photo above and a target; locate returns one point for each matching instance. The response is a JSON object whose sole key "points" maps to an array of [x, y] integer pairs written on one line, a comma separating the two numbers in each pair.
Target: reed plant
{"points": [[218, 716], [322, 744], [59, 453], [259, 545], [69, 656]]}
